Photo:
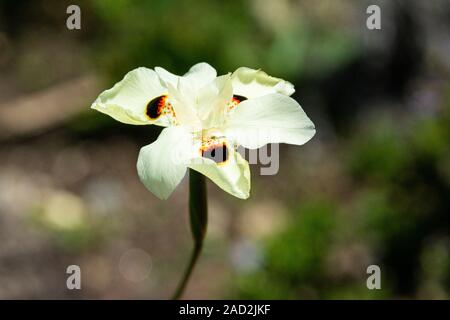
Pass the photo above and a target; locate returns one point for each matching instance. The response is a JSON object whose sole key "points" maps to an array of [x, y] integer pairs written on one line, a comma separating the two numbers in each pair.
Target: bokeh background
{"points": [[372, 187]]}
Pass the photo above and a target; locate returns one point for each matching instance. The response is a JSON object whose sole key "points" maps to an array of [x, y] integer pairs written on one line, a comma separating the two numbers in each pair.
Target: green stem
{"points": [[198, 214]]}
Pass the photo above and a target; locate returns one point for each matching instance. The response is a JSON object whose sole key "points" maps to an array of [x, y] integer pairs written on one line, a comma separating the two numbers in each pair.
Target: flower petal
{"points": [[212, 100], [233, 175], [129, 100], [198, 75], [251, 83], [183, 99], [274, 118], [201, 74], [162, 165]]}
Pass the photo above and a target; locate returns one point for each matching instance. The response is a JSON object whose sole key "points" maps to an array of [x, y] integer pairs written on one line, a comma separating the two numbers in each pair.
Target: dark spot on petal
{"points": [[217, 153], [237, 98], [155, 107]]}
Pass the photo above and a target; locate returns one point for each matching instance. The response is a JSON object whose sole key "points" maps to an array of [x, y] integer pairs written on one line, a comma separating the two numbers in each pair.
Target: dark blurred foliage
{"points": [[372, 187], [398, 214]]}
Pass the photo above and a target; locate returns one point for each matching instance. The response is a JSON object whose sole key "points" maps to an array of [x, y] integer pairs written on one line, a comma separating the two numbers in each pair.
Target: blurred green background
{"points": [[372, 187]]}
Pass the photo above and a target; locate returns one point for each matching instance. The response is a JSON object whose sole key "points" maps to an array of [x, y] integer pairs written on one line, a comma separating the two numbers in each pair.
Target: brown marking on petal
{"points": [[235, 100], [218, 152], [155, 107]]}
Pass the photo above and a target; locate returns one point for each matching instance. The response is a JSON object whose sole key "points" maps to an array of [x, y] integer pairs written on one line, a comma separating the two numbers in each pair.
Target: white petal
{"points": [[183, 100], [273, 118], [233, 175], [198, 75], [212, 100], [201, 74], [127, 100], [167, 77], [251, 83], [162, 165]]}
